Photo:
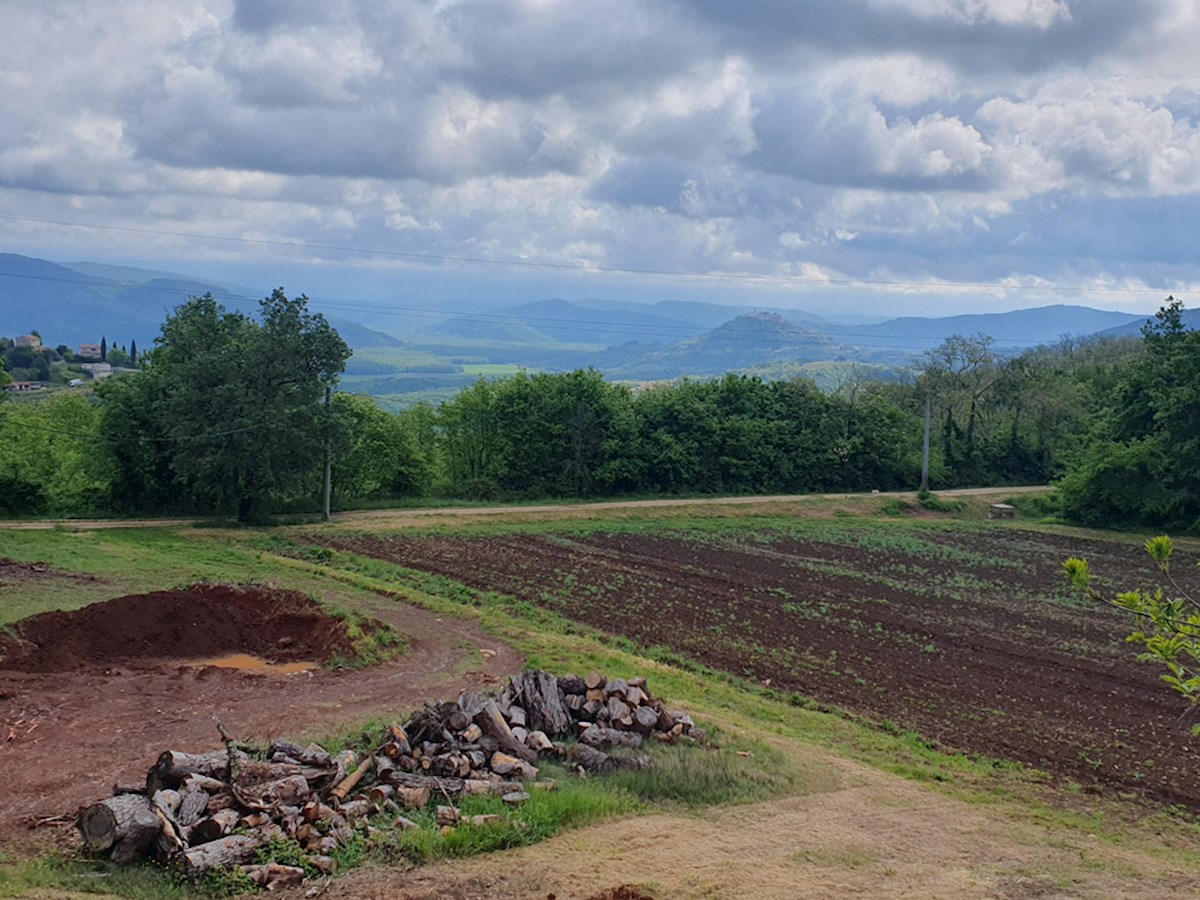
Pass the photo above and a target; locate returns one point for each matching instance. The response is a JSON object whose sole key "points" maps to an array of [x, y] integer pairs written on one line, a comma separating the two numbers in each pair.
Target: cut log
{"points": [[635, 696], [492, 722], [312, 755], [273, 876], [215, 827], [451, 786], [472, 733], [447, 815], [538, 742], [173, 766], [225, 853], [595, 681], [638, 681], [119, 789], [380, 794], [574, 702], [617, 709], [617, 688], [591, 709], [347, 784], [400, 737], [595, 695], [127, 825], [572, 685], [542, 700], [517, 717], [413, 797], [604, 738], [644, 719], [590, 759], [290, 791], [516, 798], [503, 764]]}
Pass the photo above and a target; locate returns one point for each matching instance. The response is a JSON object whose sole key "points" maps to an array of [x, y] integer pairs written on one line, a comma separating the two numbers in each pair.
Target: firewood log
{"points": [[604, 738], [380, 793], [224, 853], [493, 725], [516, 716], [172, 766], [313, 755], [617, 687], [595, 681], [572, 685], [290, 791], [216, 826], [400, 737], [538, 742], [273, 876], [644, 719], [347, 784], [638, 681], [617, 709], [503, 764], [451, 786], [590, 759], [635, 696], [472, 733], [542, 699], [447, 815], [413, 797], [126, 824]]}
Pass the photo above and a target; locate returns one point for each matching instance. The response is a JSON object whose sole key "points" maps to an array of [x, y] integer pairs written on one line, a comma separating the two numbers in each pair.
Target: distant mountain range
{"points": [[76, 302], [72, 303]]}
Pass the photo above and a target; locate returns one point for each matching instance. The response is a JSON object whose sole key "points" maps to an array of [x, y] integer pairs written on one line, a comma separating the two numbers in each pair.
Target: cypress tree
{"points": [[103, 349]]}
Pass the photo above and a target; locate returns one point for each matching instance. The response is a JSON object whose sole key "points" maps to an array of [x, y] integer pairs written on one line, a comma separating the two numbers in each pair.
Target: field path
{"points": [[368, 515], [875, 835]]}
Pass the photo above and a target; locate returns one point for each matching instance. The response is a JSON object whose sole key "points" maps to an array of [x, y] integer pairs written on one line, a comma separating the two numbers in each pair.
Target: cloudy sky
{"points": [[864, 156]]}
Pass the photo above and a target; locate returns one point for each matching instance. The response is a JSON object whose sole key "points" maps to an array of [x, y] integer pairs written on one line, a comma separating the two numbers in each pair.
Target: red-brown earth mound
{"points": [[197, 623]]}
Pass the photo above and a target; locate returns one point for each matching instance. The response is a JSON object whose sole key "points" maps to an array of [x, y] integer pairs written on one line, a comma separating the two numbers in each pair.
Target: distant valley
{"points": [[405, 354]]}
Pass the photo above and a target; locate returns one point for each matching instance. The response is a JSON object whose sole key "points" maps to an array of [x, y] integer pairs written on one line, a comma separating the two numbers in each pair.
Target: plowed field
{"points": [[965, 635]]}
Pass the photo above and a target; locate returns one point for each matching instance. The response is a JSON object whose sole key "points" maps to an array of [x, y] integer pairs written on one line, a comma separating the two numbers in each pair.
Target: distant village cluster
{"points": [[28, 364]]}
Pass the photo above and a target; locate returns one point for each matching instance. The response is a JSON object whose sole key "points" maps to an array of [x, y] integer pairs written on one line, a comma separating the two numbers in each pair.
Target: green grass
{"points": [[752, 717]]}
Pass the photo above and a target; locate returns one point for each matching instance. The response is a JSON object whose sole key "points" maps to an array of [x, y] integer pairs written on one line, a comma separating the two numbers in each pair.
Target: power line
{"points": [[814, 281]]}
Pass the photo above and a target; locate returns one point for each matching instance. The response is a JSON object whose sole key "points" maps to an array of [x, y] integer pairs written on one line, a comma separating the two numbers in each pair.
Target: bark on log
{"points": [[347, 784], [273, 876], [572, 685], [603, 738], [224, 853], [215, 827], [590, 759], [494, 726], [542, 699], [644, 719], [451, 786], [126, 824], [313, 755], [595, 681], [173, 766]]}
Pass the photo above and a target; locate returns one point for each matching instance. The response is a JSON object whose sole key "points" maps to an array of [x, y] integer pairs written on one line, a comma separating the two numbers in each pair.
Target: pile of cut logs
{"points": [[200, 813]]}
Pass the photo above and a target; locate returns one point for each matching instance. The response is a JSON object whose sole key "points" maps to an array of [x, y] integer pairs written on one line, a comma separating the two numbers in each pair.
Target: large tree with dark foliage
{"points": [[1143, 464], [227, 412]]}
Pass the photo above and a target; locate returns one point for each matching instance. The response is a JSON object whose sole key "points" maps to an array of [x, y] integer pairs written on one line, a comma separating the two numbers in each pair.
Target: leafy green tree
{"points": [[233, 404], [49, 461], [377, 454], [1168, 622], [1143, 463]]}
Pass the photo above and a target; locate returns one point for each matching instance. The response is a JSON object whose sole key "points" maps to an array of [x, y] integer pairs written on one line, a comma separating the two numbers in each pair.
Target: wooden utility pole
{"points": [[925, 450], [329, 461]]}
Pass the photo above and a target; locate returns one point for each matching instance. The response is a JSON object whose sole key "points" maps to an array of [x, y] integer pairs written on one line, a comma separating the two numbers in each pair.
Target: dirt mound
{"points": [[197, 623]]}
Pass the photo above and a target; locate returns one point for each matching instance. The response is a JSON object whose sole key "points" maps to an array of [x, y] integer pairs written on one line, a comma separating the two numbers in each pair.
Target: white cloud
{"points": [[690, 134]]}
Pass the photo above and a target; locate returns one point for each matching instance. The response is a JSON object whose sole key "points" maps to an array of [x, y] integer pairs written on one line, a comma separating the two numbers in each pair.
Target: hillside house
{"points": [[89, 351], [20, 387], [30, 341]]}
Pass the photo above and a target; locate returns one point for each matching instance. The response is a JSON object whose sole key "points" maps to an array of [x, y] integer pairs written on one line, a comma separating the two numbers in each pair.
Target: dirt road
{"points": [[465, 511]]}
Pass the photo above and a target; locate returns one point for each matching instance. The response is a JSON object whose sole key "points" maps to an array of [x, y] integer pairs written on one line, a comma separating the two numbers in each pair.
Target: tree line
{"points": [[227, 416]]}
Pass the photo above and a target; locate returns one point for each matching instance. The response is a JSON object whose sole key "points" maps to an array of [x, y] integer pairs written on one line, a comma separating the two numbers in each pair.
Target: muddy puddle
{"points": [[244, 662]]}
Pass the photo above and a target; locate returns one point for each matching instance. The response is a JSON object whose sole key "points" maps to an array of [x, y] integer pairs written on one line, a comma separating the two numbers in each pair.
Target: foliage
{"points": [[1168, 623], [226, 413], [1143, 465]]}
